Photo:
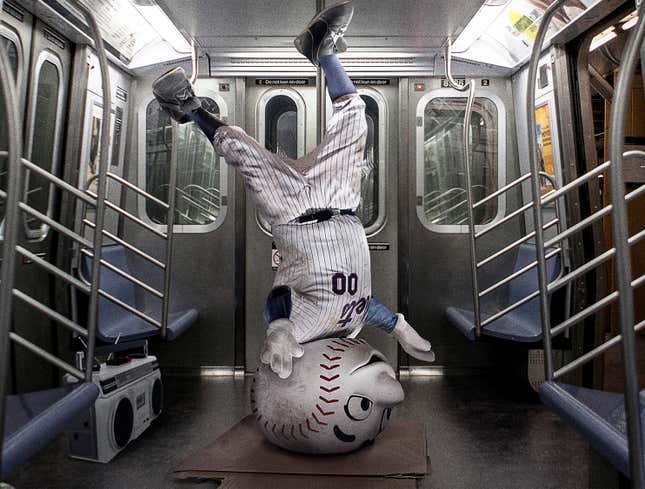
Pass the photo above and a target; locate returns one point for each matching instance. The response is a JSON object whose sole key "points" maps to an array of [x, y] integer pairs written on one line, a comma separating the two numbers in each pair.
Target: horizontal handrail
{"points": [[46, 355], [504, 220], [54, 179], [129, 308], [125, 275], [132, 217], [580, 271], [53, 224], [53, 269], [590, 174], [138, 190], [48, 311], [127, 245], [605, 211], [577, 182], [579, 226], [502, 190], [596, 352], [585, 313], [510, 308], [515, 244], [514, 275]]}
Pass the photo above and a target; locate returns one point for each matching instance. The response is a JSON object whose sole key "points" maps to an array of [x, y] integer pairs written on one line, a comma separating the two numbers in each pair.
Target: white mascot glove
{"points": [[411, 342], [280, 346]]}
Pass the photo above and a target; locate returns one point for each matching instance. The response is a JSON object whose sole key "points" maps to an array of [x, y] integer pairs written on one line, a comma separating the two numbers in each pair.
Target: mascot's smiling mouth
{"points": [[343, 436]]}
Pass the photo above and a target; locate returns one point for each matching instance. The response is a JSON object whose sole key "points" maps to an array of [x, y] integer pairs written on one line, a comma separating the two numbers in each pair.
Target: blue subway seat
{"points": [[523, 324], [34, 420], [116, 322], [598, 416]]}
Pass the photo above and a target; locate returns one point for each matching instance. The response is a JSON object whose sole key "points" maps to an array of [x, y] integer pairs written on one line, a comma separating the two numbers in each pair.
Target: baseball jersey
{"points": [[326, 264]]}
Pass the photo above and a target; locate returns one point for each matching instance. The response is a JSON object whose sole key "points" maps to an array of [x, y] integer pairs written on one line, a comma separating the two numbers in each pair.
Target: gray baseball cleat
{"points": [[175, 94], [323, 35]]}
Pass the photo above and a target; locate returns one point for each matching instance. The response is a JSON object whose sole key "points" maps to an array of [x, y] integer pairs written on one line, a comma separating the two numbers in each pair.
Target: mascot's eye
{"points": [[358, 408]]}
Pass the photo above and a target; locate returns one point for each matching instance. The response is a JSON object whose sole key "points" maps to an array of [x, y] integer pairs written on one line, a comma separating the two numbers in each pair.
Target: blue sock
{"points": [[338, 83], [379, 316]]}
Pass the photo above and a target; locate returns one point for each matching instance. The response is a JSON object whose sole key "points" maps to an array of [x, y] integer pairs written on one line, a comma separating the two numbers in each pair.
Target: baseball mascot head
{"points": [[338, 398]]}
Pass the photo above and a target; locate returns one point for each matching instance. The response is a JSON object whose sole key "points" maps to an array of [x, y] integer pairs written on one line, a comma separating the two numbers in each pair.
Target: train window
{"points": [[441, 182], [370, 209], [200, 178], [43, 146], [12, 51], [281, 116]]}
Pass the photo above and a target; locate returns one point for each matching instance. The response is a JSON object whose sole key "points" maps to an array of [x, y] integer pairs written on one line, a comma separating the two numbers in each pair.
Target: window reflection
{"points": [[43, 141], [444, 181], [281, 130], [12, 52], [368, 210], [199, 199]]}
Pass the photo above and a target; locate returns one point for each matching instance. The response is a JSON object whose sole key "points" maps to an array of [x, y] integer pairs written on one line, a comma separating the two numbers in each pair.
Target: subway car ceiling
{"points": [[242, 38]]}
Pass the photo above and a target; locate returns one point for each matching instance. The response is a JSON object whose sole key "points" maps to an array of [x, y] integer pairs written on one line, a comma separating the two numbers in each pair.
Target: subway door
{"points": [[434, 241], [283, 120], [204, 246], [46, 109], [378, 207]]}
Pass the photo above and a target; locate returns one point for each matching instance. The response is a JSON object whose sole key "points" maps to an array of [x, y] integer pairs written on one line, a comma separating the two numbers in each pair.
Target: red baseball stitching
{"points": [[335, 349], [302, 432], [329, 367], [329, 379], [324, 413], [328, 401], [310, 428], [329, 390], [318, 421], [331, 359]]}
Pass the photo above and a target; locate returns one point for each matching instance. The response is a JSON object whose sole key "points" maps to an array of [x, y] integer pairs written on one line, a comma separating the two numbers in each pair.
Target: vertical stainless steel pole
{"points": [[536, 187], [471, 210], [170, 222], [321, 98], [101, 190], [12, 226], [623, 257], [472, 240]]}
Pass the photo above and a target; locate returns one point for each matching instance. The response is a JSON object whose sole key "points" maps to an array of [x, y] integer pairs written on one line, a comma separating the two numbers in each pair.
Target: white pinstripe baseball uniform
{"points": [[325, 264]]}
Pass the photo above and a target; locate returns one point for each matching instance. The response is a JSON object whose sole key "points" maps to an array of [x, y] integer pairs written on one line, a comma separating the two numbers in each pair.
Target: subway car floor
{"points": [[484, 432]]}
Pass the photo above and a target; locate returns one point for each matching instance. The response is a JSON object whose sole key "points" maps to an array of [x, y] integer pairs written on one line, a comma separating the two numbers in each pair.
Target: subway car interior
{"points": [[502, 197]]}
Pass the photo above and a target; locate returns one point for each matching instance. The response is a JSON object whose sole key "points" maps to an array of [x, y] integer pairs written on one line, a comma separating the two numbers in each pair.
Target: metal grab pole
{"points": [[170, 222], [321, 99], [7, 272], [623, 257], [470, 86], [102, 187], [536, 187], [448, 66], [471, 210]]}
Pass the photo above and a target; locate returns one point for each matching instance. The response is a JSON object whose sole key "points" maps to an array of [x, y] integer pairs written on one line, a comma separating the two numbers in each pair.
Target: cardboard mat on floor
{"points": [[244, 459]]}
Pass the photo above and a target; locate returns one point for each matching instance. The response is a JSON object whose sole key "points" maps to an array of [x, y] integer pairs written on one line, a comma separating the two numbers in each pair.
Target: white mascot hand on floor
{"points": [[280, 348], [338, 398], [413, 344]]}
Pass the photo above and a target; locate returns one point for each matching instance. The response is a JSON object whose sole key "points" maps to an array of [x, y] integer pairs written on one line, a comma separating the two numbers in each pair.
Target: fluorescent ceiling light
{"points": [[159, 21], [629, 24], [603, 38]]}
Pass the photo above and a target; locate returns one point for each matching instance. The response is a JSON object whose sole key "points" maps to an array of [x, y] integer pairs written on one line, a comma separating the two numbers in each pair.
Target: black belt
{"points": [[324, 215]]}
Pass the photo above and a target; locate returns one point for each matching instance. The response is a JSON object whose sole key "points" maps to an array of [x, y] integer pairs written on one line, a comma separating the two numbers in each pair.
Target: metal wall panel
{"points": [[436, 266], [30, 372], [203, 266]]}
